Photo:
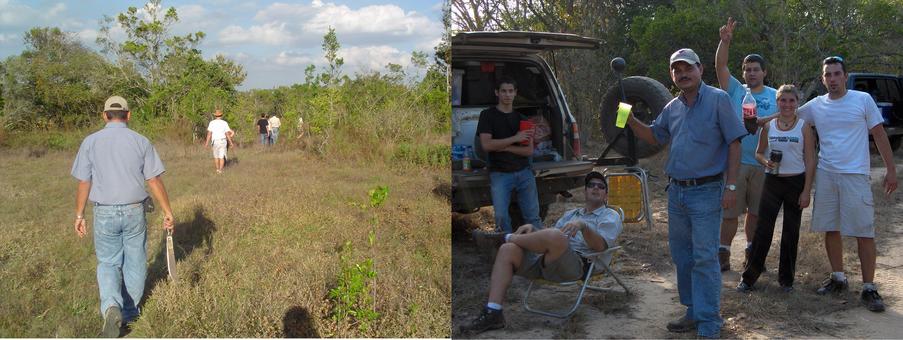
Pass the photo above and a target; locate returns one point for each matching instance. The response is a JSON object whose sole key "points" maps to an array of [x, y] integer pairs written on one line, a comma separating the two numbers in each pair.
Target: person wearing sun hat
{"points": [[218, 130]]}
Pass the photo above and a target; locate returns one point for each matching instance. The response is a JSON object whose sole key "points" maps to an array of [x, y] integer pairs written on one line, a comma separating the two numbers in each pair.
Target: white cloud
{"points": [[87, 36], [294, 58], [14, 14], [272, 33], [5, 38], [56, 10], [369, 58]]}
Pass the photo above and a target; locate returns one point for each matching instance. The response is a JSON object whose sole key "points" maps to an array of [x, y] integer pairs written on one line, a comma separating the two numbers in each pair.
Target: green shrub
{"points": [[352, 295]]}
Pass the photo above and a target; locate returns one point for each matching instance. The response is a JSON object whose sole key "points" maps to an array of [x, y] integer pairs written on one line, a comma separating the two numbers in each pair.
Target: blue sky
{"points": [[273, 40]]}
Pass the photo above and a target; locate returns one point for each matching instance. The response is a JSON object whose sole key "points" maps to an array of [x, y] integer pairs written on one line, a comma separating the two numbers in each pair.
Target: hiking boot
{"points": [[488, 239], [682, 325], [489, 319], [830, 285], [112, 321], [872, 300], [743, 287], [724, 257]]}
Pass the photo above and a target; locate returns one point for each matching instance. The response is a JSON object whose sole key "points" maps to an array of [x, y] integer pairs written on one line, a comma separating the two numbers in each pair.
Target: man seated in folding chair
{"points": [[552, 254]]}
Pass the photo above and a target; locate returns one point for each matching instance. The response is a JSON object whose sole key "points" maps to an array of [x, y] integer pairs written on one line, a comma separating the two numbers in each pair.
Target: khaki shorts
{"points": [[568, 267], [844, 203], [219, 148], [749, 191]]}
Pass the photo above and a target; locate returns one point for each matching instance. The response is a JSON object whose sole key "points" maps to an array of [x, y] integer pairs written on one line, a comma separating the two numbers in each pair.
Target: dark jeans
{"points": [[777, 191]]}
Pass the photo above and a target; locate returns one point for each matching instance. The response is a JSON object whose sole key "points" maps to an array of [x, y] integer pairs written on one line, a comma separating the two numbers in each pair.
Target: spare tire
{"points": [[648, 97]]}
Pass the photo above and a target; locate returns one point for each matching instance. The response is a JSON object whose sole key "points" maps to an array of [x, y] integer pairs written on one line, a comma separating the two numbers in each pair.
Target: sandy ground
{"points": [[648, 272]]}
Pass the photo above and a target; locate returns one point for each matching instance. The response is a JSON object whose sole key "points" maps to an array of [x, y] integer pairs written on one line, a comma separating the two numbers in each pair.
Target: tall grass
{"points": [[258, 248]]}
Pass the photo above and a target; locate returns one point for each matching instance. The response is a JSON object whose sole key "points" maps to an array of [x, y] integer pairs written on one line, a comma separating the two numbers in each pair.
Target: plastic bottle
{"points": [[749, 112], [465, 163]]}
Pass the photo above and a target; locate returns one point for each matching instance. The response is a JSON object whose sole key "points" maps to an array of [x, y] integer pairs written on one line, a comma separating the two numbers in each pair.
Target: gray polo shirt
{"points": [[699, 134], [117, 161], [604, 221]]}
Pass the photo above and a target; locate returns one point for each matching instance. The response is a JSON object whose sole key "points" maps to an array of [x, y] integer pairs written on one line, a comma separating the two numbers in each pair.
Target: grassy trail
{"points": [[258, 248]]}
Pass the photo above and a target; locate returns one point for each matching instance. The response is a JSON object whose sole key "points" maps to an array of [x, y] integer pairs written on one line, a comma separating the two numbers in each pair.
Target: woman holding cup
{"points": [[790, 167]]}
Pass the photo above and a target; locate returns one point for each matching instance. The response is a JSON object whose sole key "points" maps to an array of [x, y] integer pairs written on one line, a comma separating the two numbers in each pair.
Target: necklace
{"points": [[786, 125]]}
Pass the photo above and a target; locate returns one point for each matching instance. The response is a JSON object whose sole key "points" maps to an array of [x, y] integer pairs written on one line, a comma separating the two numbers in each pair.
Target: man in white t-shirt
{"points": [[275, 123], [843, 120], [218, 130]]}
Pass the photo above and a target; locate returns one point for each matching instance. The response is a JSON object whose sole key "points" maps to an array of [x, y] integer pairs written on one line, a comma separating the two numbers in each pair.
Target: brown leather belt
{"points": [[697, 181]]}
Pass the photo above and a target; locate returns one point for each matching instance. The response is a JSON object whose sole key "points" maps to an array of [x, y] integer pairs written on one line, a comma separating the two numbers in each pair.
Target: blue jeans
{"points": [[694, 230], [274, 134], [523, 182], [120, 243], [264, 139]]}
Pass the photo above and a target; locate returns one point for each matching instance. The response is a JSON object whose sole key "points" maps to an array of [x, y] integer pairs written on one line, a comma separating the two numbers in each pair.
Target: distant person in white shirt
{"points": [[300, 127], [218, 131], [275, 123]]}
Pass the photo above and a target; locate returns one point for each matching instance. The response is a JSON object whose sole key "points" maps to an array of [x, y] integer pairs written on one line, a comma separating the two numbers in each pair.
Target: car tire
{"points": [[648, 97]]}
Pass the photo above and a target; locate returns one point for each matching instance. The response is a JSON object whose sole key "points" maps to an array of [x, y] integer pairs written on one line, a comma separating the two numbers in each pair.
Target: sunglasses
{"points": [[597, 185], [834, 59]]}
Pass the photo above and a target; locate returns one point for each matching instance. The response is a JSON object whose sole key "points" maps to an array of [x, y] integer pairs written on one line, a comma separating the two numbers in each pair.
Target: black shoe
{"points": [[744, 288], [489, 319], [112, 321], [832, 286], [872, 300], [724, 257], [682, 325]]}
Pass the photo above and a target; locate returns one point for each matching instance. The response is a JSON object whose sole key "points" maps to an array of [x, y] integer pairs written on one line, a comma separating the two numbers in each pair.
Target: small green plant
{"points": [[378, 195], [352, 296]]}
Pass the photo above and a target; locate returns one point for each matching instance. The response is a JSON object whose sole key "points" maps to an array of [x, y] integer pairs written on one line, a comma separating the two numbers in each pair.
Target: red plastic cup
{"points": [[525, 125]]}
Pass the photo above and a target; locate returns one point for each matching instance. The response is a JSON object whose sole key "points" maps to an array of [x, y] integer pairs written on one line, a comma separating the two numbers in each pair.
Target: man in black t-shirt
{"points": [[509, 165], [263, 128]]}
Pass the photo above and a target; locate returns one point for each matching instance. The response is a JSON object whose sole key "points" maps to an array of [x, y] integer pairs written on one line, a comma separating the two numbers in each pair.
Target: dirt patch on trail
{"points": [[645, 267]]}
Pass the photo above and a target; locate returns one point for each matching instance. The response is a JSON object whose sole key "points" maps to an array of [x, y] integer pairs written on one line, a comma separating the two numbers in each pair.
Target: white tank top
{"points": [[791, 144]]}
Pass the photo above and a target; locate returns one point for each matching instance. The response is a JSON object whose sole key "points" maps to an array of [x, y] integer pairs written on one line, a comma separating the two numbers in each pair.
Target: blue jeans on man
{"points": [[264, 139], [120, 243], [274, 134], [694, 230], [522, 182]]}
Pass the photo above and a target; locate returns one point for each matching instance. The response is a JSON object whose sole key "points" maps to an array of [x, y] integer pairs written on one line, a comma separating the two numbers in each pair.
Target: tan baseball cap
{"points": [[116, 103], [686, 55]]}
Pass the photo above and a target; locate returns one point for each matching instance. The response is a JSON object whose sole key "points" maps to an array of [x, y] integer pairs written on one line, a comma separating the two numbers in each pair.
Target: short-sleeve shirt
{"points": [[117, 161], [502, 125], [275, 122], [766, 105], [218, 129], [843, 130], [699, 135], [604, 221], [262, 124]]}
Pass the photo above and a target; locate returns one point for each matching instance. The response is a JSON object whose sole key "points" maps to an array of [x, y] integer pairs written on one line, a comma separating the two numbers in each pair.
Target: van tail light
{"points": [[576, 143]]}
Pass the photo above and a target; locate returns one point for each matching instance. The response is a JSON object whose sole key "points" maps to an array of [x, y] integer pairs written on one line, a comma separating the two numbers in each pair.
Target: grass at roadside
{"points": [[258, 248]]}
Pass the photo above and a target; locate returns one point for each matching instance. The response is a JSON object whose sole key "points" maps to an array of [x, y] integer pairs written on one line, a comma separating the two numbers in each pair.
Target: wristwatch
{"points": [[731, 187]]}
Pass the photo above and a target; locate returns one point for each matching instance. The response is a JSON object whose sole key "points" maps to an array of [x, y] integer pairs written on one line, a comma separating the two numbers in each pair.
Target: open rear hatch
{"points": [[518, 42]]}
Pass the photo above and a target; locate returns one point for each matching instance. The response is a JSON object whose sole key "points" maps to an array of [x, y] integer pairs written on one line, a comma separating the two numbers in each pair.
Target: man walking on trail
{"points": [[509, 162], [112, 166], [300, 127], [275, 123], [752, 175], [263, 129], [704, 132], [553, 254], [843, 203], [218, 130]]}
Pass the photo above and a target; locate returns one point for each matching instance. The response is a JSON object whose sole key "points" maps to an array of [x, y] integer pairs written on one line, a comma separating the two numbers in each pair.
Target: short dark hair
{"points": [[595, 175], [835, 60], [505, 80], [754, 58], [117, 114], [263, 115]]}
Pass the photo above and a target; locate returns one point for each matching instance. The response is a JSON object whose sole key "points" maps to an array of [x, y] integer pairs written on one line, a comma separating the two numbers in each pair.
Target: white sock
{"points": [[869, 286], [838, 276], [494, 306], [507, 236], [748, 245], [724, 247]]}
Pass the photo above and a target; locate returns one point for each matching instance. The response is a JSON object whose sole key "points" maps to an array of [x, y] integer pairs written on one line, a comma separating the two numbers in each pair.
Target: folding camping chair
{"points": [[628, 188], [594, 259]]}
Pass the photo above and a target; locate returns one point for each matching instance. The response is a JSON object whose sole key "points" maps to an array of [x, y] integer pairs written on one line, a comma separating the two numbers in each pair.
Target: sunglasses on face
{"points": [[833, 59], [596, 185]]}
